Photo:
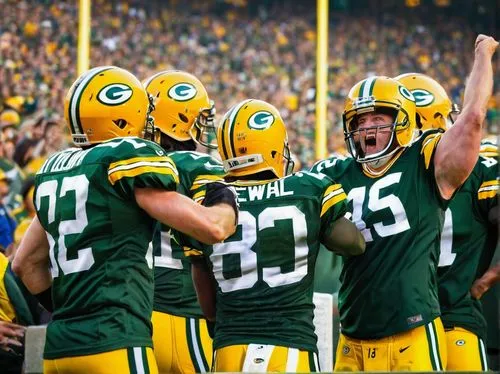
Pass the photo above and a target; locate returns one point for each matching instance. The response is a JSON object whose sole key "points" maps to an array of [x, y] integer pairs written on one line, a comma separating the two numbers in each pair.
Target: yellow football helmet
{"points": [[252, 138], [104, 103], [434, 107], [376, 93], [183, 110], [9, 117]]}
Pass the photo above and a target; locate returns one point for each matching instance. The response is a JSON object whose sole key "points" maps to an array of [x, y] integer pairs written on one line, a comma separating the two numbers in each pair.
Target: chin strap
{"points": [[379, 167]]}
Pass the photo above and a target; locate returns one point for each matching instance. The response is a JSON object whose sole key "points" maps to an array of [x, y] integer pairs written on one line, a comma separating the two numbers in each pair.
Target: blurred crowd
{"points": [[236, 50]]}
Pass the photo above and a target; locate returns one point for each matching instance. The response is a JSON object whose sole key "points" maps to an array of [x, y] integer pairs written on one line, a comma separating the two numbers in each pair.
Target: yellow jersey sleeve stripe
{"points": [[117, 175], [142, 164], [331, 195], [204, 179], [487, 194], [494, 182], [332, 188], [139, 159], [331, 202], [488, 190], [188, 252], [428, 147], [199, 196]]}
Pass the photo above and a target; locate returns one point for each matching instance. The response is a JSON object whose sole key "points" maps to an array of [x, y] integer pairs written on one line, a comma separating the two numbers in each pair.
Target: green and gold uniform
{"points": [[180, 334], [265, 273], [391, 288], [100, 252], [468, 244]]}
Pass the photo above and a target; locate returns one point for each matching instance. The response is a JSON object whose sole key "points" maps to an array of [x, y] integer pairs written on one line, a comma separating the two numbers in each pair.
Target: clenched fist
{"points": [[485, 44]]}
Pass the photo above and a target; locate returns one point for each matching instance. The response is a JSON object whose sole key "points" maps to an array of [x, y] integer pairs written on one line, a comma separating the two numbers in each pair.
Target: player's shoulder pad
{"points": [[333, 165], [427, 143], [200, 163], [129, 147], [311, 181]]}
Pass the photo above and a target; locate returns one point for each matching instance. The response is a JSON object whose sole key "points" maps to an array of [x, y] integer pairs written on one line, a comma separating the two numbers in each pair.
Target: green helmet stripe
{"points": [[232, 117], [366, 88], [74, 102]]}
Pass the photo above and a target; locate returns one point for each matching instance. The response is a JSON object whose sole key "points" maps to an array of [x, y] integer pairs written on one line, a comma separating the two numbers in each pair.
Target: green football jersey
{"points": [[468, 243], [174, 290], [100, 251], [392, 287], [265, 271]]}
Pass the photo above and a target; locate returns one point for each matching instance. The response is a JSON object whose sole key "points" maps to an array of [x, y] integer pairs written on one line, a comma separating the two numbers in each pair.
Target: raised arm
{"points": [[458, 149], [31, 261], [209, 225]]}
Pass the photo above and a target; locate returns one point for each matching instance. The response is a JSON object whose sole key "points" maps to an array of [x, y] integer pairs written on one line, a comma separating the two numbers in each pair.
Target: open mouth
{"points": [[371, 141]]}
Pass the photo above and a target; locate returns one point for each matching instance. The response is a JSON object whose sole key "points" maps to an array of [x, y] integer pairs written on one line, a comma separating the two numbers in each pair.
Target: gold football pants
{"points": [[420, 349], [181, 345], [466, 351], [264, 358], [131, 360]]}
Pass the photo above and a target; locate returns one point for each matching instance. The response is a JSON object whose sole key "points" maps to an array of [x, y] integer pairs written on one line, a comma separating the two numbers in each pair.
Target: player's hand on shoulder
{"points": [[221, 193]]}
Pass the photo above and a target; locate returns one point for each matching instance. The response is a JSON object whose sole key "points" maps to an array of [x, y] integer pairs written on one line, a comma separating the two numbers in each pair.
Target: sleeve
{"points": [[149, 168], [486, 195], [333, 205], [212, 171], [190, 247]]}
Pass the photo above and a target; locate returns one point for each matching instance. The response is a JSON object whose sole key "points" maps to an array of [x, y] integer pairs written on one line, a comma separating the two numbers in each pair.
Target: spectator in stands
{"points": [[258, 50], [7, 223]]}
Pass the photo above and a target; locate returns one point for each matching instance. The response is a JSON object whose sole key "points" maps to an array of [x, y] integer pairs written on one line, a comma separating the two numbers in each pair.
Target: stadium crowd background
{"points": [[263, 49], [238, 49]]}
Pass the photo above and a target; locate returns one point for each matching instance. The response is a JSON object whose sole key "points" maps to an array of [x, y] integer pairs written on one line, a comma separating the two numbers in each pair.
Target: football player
{"points": [[258, 284], [183, 117], [468, 239], [397, 190], [96, 209]]}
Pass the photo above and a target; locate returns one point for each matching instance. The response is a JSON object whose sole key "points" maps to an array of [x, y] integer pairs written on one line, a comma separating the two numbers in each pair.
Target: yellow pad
{"points": [[181, 345], [264, 358], [133, 360], [466, 351], [420, 349]]}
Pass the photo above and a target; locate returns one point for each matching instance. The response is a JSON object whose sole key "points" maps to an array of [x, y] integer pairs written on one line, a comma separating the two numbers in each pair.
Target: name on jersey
{"points": [[262, 191], [64, 161]]}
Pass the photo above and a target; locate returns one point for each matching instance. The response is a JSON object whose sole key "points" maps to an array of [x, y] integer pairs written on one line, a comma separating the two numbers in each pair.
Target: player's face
{"points": [[372, 137]]}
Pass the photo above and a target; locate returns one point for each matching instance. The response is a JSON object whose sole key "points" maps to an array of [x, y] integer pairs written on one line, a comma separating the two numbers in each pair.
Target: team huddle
{"points": [[156, 258]]}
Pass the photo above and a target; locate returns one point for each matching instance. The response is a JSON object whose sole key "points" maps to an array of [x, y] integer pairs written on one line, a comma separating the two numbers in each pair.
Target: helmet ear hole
{"points": [[121, 123], [183, 118], [273, 154]]}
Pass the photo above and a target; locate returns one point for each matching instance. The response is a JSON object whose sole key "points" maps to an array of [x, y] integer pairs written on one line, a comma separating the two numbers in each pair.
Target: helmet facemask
{"points": [[451, 118], [288, 162], [203, 130], [357, 139], [150, 131]]}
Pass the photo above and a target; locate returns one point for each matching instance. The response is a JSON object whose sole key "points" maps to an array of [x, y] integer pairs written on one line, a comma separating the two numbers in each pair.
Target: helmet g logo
{"points": [[406, 93], [261, 120], [182, 92], [114, 94], [422, 97]]}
